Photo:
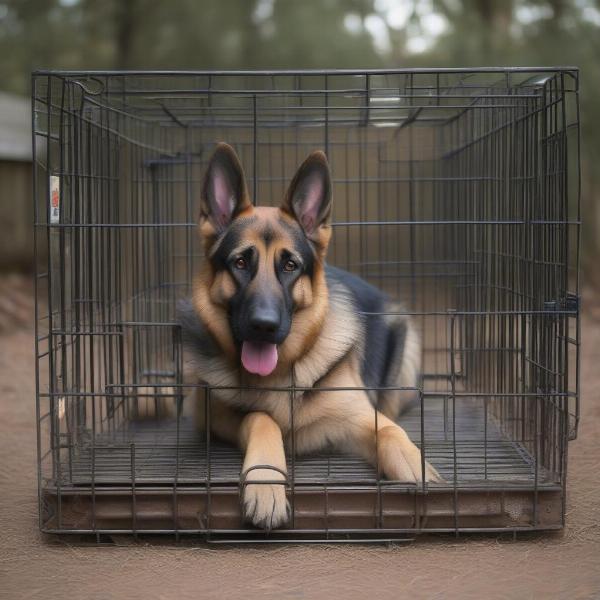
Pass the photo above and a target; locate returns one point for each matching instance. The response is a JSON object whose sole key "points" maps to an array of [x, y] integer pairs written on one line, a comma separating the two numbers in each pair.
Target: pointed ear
{"points": [[308, 198], [224, 191]]}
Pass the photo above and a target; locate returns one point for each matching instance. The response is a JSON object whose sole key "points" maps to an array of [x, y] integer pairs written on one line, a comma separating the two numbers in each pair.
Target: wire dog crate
{"points": [[455, 191]]}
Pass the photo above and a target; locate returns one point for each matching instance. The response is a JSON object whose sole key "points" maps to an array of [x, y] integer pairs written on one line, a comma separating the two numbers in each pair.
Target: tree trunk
{"points": [[125, 25]]}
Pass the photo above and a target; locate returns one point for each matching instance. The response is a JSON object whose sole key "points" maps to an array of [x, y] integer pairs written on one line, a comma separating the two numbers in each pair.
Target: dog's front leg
{"points": [[263, 497], [352, 424]]}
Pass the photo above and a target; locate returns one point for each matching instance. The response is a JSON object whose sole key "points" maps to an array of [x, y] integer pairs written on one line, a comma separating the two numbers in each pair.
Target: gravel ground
{"points": [[560, 565]]}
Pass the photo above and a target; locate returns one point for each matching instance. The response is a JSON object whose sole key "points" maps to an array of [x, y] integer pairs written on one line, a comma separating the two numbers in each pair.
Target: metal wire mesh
{"points": [[455, 191]]}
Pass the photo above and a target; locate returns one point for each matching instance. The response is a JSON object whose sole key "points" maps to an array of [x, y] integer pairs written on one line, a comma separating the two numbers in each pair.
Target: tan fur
{"points": [[225, 421], [308, 321], [222, 288], [302, 292], [264, 498], [155, 402], [211, 291], [322, 350], [213, 315], [340, 417]]}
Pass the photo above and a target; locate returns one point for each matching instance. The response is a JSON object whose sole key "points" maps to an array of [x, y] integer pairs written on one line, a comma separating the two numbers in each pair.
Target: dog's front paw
{"points": [[400, 459], [431, 474], [265, 504]]}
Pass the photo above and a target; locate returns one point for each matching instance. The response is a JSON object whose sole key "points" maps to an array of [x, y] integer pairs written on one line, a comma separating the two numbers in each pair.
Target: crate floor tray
{"points": [[164, 478], [155, 452]]}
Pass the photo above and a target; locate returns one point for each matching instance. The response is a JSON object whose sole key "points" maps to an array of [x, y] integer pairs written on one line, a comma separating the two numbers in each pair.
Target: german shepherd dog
{"points": [[267, 312]]}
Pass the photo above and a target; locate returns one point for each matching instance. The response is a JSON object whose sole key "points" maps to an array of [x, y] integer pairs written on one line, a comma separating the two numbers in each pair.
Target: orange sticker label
{"points": [[54, 199]]}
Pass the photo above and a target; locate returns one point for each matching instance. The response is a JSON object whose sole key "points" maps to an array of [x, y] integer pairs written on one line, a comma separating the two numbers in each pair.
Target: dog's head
{"points": [[263, 294]]}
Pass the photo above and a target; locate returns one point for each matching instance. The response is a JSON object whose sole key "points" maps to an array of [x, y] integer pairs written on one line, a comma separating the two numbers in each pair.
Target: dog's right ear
{"points": [[224, 191]]}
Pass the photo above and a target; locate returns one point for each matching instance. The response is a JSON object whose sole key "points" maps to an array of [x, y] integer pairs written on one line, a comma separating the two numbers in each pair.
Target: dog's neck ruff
{"points": [[340, 334]]}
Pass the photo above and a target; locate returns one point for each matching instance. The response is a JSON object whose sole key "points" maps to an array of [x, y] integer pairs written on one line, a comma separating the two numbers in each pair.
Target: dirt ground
{"points": [[563, 565]]}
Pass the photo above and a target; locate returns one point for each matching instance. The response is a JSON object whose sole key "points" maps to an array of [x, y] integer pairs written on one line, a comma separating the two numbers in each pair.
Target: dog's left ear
{"points": [[308, 198]]}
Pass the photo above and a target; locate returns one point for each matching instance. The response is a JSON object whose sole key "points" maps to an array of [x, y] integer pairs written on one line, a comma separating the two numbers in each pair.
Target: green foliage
{"points": [[183, 34]]}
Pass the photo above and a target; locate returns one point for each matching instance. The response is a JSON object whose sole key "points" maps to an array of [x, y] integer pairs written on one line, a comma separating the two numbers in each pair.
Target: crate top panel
{"points": [[308, 98]]}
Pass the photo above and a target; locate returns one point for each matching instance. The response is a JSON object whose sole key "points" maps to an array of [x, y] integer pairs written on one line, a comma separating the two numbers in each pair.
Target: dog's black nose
{"points": [[265, 320]]}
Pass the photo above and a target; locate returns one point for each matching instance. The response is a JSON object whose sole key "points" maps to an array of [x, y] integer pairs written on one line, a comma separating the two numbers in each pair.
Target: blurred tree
{"points": [[127, 19], [180, 34], [487, 22], [540, 33], [188, 34]]}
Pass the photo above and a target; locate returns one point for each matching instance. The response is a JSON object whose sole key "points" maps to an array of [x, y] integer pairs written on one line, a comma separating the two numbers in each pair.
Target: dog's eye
{"points": [[240, 263], [290, 265]]}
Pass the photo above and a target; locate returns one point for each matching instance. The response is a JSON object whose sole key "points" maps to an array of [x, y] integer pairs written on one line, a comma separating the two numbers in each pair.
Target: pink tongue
{"points": [[259, 357]]}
